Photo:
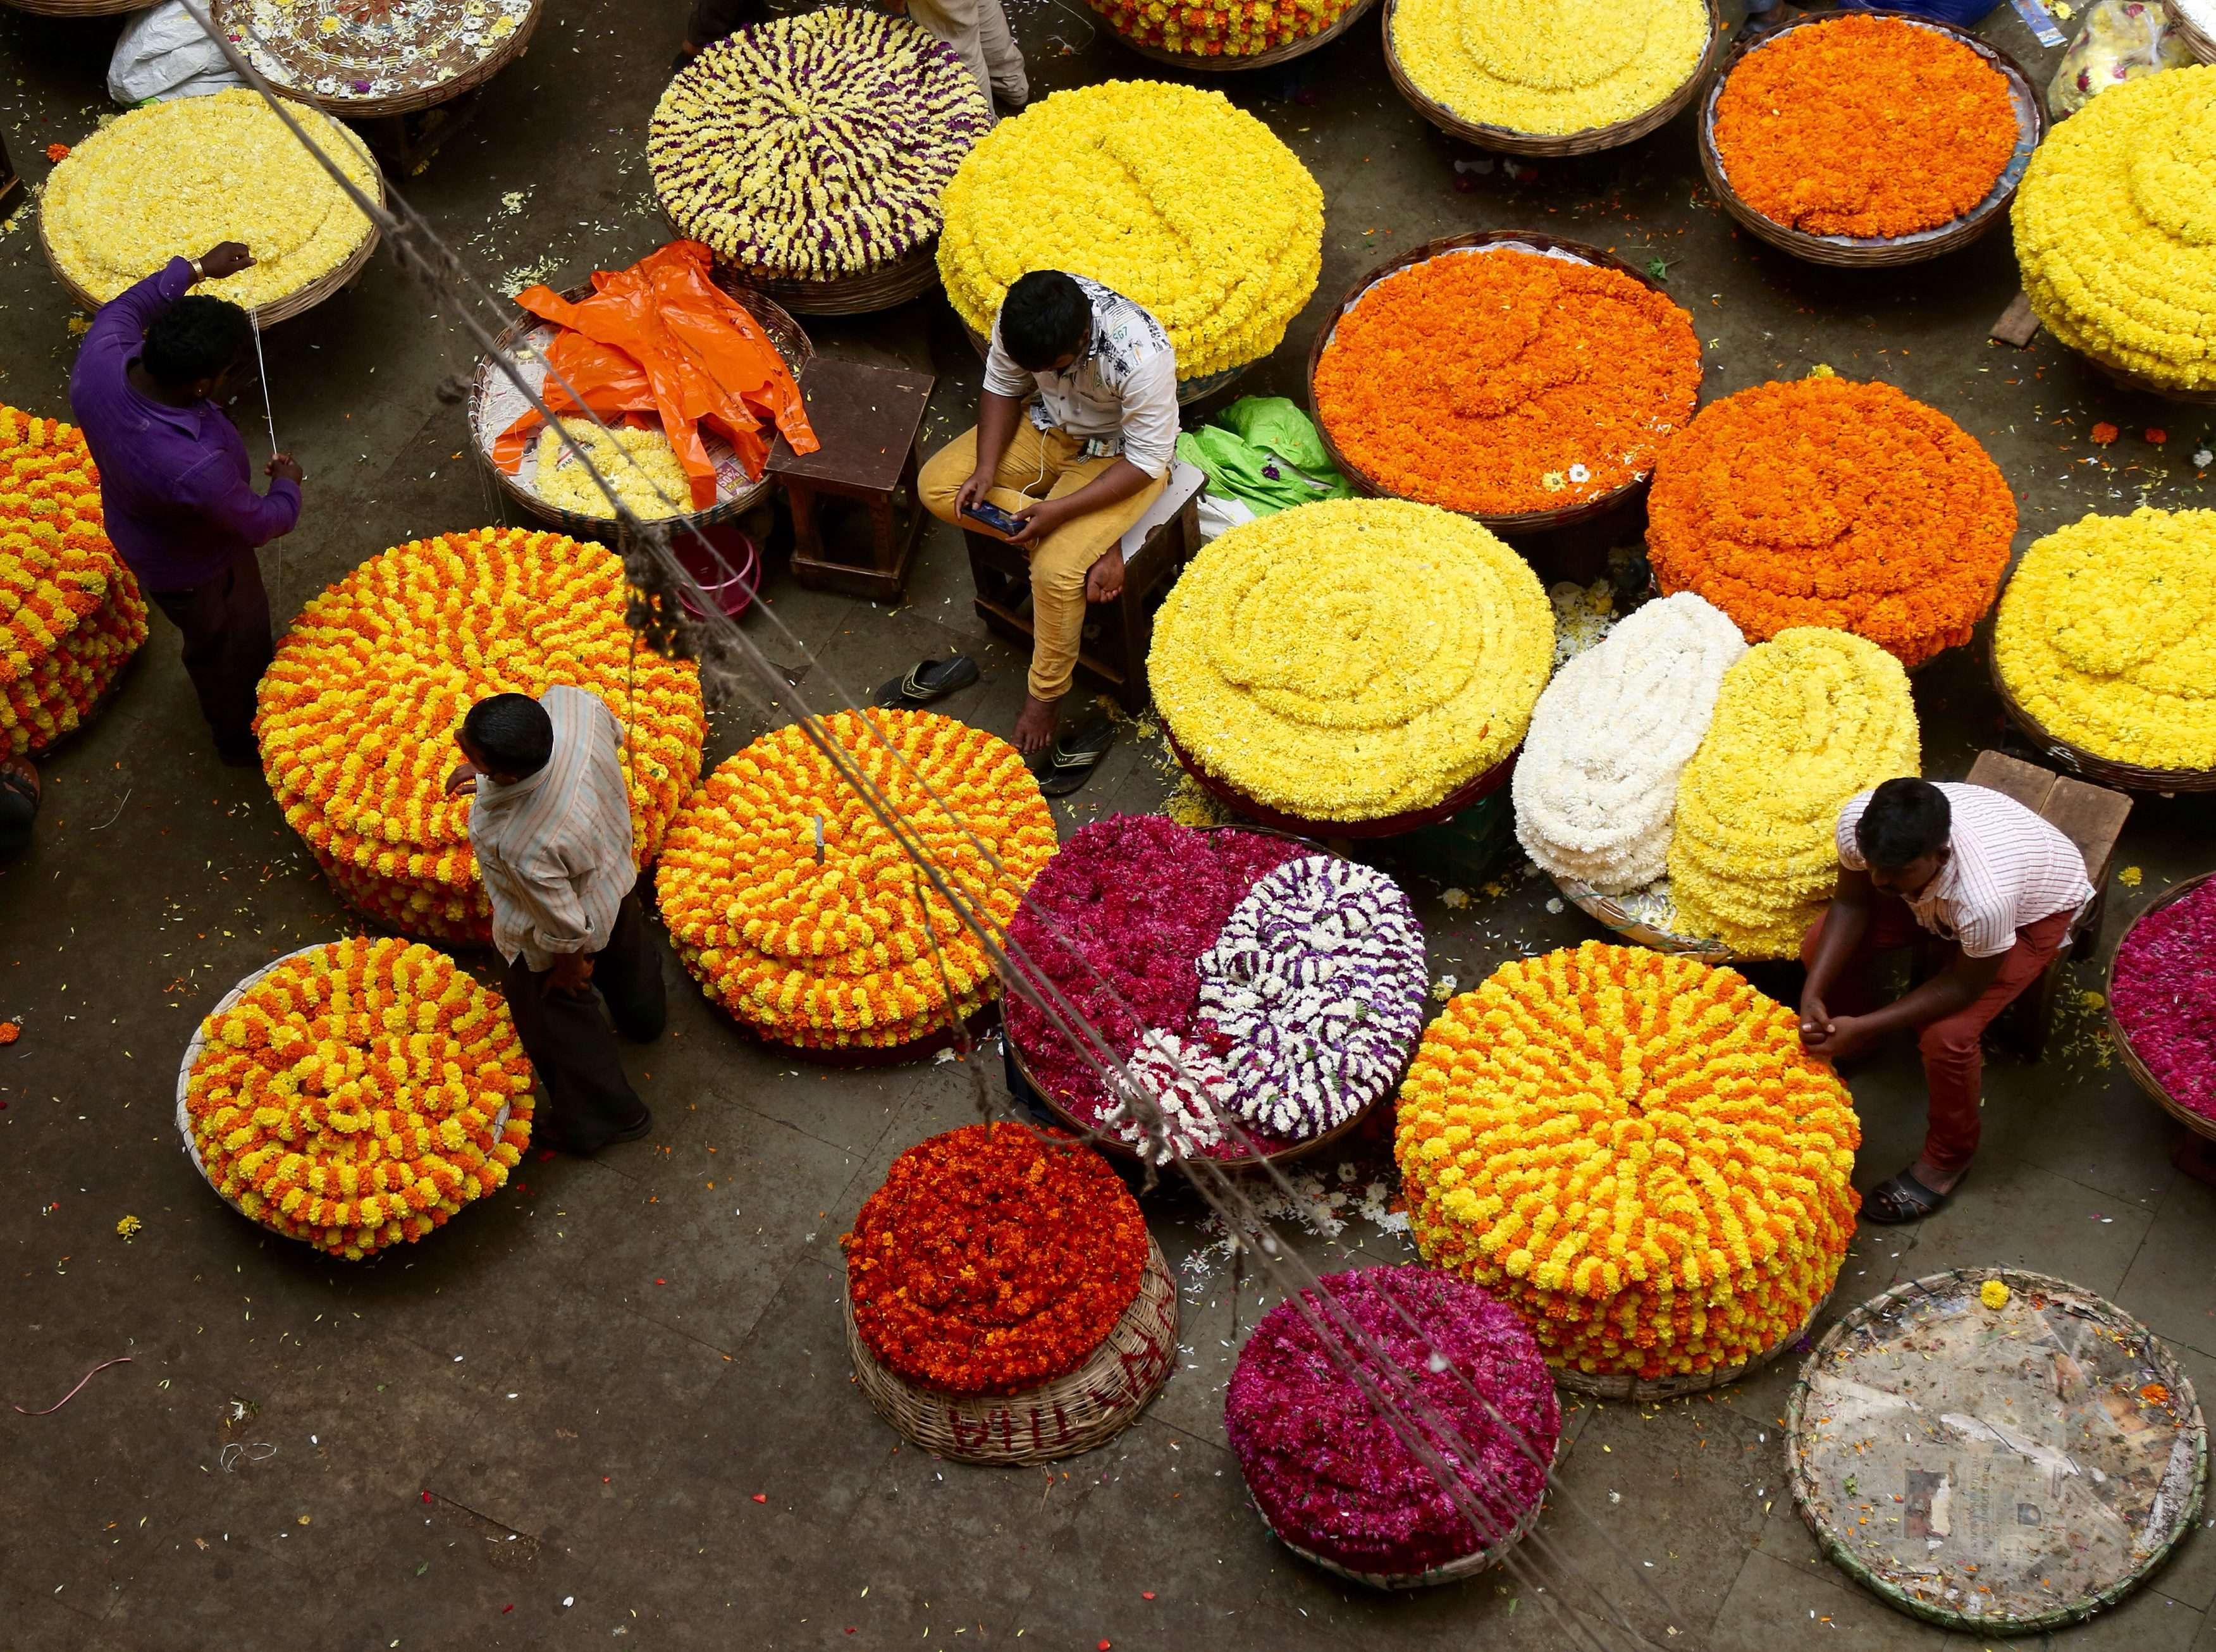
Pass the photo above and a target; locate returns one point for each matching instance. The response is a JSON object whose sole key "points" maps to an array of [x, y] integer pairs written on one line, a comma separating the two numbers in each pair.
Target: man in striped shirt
{"points": [[1985, 875], [552, 831]]}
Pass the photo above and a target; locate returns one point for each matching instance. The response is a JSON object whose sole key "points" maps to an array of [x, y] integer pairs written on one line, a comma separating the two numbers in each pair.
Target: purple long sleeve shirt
{"points": [[174, 484]]}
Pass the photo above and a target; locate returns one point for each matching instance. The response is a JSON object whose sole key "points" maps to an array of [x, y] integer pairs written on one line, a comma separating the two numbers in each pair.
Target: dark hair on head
{"points": [[196, 338], [1904, 821], [1043, 318], [512, 733]]}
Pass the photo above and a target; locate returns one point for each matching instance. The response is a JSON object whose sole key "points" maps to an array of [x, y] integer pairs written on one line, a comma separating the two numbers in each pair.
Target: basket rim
{"points": [[1225, 64], [416, 98], [1604, 910], [2199, 1124], [1472, 792], [860, 292], [2197, 40], [1609, 1385], [2111, 770]]}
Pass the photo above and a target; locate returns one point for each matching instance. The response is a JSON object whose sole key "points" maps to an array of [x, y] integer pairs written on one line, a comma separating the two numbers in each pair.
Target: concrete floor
{"points": [[614, 1402]]}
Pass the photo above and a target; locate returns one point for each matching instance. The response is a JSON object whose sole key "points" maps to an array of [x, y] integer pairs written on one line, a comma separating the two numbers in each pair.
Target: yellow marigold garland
{"points": [[359, 710], [850, 944], [1803, 723], [352, 1097], [2107, 635], [1173, 197], [71, 615], [1352, 659], [1551, 66], [1634, 1150], [2115, 228]]}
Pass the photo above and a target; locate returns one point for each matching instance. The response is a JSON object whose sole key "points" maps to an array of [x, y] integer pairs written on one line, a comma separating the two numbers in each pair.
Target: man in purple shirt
{"points": [[174, 484]]}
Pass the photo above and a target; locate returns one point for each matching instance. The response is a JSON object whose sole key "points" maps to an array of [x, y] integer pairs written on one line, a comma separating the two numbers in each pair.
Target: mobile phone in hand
{"points": [[993, 517]]}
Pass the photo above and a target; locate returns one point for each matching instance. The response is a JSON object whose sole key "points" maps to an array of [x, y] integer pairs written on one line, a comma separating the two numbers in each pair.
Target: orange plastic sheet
{"points": [[661, 337]]}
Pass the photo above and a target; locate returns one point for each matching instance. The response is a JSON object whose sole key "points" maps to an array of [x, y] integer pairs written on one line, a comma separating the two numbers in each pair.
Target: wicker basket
{"points": [[229, 13], [2126, 378], [1590, 141], [2126, 776], [1878, 252], [1088, 1407], [2197, 40], [1231, 66], [268, 315], [1604, 910], [871, 290], [1529, 522], [735, 494], [975, 1024], [1602, 1386], [74, 7], [1190, 392], [1385, 826], [2198, 1123]]}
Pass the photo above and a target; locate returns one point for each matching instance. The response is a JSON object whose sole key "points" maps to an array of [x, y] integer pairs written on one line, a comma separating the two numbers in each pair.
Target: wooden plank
{"points": [[2016, 325], [2092, 816], [2028, 783]]}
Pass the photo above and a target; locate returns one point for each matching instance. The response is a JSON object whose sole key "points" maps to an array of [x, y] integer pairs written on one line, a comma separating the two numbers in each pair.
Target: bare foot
{"points": [[1035, 728], [1939, 1181], [1103, 580]]}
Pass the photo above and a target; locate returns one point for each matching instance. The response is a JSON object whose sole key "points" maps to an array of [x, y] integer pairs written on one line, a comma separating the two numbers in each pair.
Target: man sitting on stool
{"points": [[1978, 870], [551, 828]]}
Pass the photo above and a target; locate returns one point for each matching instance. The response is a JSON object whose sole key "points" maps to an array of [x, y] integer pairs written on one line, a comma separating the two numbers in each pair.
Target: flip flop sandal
{"points": [[1069, 762], [929, 680], [1903, 1199]]}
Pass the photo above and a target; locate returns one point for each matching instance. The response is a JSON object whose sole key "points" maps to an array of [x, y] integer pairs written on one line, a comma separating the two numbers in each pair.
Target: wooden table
{"points": [[867, 419]]}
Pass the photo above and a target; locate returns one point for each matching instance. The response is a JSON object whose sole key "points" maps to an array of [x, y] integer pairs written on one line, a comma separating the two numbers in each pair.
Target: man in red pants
{"points": [[1982, 872]]}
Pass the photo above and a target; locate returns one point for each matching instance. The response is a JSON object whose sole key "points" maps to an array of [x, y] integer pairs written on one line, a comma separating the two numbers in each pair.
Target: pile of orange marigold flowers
{"points": [[1825, 502], [1219, 28], [71, 615], [1501, 382], [993, 1260], [1633, 1149], [358, 1095], [800, 913], [1864, 126], [359, 710]]}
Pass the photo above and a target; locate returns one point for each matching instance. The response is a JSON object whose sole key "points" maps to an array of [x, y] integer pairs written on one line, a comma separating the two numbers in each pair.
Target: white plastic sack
{"points": [[1220, 515], [163, 54]]}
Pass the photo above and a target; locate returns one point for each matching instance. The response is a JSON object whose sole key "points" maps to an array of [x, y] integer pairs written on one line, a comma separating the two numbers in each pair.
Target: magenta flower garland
{"points": [[1334, 1478], [2163, 992]]}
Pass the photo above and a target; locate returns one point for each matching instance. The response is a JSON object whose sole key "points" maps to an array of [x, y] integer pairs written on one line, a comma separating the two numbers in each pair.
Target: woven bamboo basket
{"points": [[978, 1022], [2198, 41], [861, 294], [294, 79], [1228, 65], [2127, 777], [1609, 1386], [1881, 252], [1087, 1408], [1607, 911], [2126, 378], [1529, 522], [268, 315], [1544, 146], [734, 494], [1385, 826], [74, 7], [2198, 1123], [1190, 392]]}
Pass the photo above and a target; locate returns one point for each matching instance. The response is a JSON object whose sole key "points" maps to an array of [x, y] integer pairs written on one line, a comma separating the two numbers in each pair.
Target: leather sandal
{"points": [[1903, 1199], [927, 680]]}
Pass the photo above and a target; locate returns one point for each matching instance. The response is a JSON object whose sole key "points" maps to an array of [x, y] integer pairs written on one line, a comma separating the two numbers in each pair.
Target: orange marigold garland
{"points": [[799, 913], [71, 614], [1503, 382], [1864, 126], [359, 709], [358, 1095], [1825, 502], [1634, 1150], [1219, 28], [994, 1259]]}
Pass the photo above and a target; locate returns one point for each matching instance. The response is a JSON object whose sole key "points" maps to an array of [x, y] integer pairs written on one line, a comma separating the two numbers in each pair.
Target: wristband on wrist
{"points": [[199, 273]]}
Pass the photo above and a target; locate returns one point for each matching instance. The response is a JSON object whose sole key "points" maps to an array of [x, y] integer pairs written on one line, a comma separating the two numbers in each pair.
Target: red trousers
{"points": [[1954, 1058]]}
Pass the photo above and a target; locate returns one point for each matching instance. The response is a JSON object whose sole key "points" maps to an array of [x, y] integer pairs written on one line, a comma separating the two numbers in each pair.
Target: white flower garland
{"points": [[1596, 789], [1190, 1088]]}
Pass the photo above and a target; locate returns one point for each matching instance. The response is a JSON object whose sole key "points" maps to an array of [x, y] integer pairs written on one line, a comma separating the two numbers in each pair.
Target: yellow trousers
{"points": [[1042, 465]]}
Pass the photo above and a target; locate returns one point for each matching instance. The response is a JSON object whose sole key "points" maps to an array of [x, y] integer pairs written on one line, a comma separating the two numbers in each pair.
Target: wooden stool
{"points": [[1118, 634], [867, 419]]}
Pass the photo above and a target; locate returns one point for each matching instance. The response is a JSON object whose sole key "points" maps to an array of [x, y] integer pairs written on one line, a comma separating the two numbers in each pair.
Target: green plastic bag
{"points": [[1266, 454]]}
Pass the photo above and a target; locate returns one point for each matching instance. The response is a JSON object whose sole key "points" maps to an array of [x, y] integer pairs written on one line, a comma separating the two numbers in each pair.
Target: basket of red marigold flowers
{"points": [[1004, 1302]]}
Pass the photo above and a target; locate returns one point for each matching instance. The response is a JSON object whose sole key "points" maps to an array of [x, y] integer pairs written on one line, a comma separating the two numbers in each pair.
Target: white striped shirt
{"points": [[555, 850], [2008, 870]]}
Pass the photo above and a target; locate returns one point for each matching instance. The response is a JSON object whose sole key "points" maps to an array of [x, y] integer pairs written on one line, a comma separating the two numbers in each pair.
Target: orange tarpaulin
{"points": [[661, 337]]}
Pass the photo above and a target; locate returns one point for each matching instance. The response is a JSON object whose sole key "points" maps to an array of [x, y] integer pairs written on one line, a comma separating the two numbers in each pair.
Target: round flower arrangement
{"points": [[814, 146], [357, 55], [1823, 502], [357, 1094], [359, 709], [1635, 1152], [1351, 660], [994, 1259], [1865, 126], [1220, 28], [800, 915], [71, 615], [1565, 67], [184, 174], [2107, 637], [1803, 723], [1175, 198], [1335, 1478], [1501, 382], [2163, 994], [639, 462], [2112, 229], [1596, 789]]}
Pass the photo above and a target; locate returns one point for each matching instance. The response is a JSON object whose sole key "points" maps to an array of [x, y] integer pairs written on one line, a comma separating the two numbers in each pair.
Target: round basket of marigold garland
{"points": [[1004, 1302], [1225, 35]]}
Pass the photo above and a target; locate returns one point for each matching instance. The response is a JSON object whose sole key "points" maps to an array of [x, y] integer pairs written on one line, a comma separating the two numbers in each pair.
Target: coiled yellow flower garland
{"points": [[1803, 722], [2115, 228], [1549, 66], [1352, 659], [1635, 1151], [1173, 197], [2107, 635]]}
